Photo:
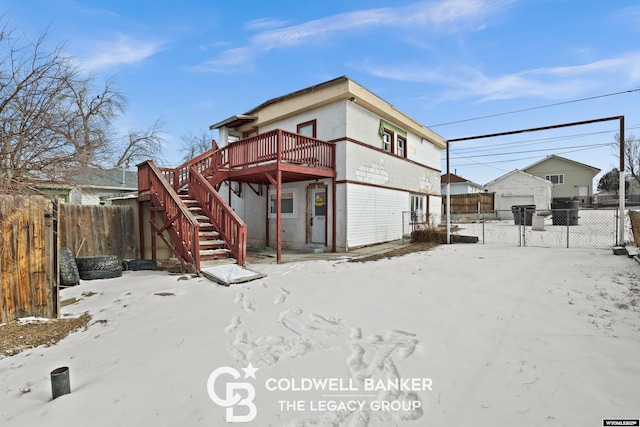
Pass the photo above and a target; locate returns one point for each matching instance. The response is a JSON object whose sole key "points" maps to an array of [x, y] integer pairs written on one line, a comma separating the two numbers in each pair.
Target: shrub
{"points": [[428, 233]]}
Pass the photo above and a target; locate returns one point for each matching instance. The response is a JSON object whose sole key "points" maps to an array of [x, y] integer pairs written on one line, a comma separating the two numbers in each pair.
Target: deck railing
{"points": [[274, 146], [231, 228], [178, 221], [277, 145]]}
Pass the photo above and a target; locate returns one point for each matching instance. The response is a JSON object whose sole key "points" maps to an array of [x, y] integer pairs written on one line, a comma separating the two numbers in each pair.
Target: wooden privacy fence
{"points": [[28, 285], [472, 202], [98, 230], [32, 229]]}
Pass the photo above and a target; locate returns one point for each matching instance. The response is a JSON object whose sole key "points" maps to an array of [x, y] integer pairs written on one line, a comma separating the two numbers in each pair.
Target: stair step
{"points": [[214, 253], [207, 233], [212, 243]]}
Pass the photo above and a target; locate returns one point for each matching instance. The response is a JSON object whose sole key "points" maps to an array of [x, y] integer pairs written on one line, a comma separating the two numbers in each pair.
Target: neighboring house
{"points": [[94, 186], [571, 179], [386, 163], [459, 185], [520, 188]]}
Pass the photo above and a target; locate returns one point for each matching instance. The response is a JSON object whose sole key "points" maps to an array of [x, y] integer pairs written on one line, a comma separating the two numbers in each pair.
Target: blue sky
{"points": [[461, 67]]}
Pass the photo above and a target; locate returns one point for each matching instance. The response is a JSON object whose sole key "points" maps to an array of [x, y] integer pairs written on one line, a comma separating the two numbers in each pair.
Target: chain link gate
{"points": [[552, 228]]}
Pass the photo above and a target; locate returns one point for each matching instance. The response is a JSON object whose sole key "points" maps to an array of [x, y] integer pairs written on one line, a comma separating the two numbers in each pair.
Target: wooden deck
{"points": [[270, 158]]}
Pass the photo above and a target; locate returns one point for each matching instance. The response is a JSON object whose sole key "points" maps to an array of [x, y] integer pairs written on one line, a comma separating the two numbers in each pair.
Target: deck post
{"points": [[333, 213], [278, 212]]}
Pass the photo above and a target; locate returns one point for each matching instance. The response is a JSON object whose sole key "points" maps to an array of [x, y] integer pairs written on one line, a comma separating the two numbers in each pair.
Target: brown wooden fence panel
{"points": [[27, 273], [465, 203], [98, 230]]}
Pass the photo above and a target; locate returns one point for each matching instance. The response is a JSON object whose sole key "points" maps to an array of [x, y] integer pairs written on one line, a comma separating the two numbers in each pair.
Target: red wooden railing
{"points": [[178, 221], [272, 146], [277, 145], [231, 228]]}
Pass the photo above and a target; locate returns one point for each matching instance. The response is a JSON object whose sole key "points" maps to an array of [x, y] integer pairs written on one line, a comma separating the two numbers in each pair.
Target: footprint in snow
{"points": [[248, 305], [235, 322], [239, 297], [281, 296]]}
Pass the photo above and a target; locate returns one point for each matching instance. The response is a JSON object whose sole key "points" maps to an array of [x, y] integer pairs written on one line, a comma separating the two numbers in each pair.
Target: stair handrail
{"points": [[179, 175], [186, 243], [230, 226]]}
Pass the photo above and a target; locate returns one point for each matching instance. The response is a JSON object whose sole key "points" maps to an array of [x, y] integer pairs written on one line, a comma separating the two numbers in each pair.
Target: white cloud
{"points": [[630, 15], [122, 50], [448, 14], [263, 24], [551, 83]]}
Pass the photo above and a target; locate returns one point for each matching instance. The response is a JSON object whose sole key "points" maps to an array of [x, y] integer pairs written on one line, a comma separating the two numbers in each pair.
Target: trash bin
{"points": [[565, 212], [523, 214]]}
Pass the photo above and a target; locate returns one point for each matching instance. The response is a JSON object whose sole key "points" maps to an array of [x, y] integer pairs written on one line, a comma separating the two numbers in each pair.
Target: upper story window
{"points": [[307, 128], [387, 141], [401, 143], [394, 139], [555, 178]]}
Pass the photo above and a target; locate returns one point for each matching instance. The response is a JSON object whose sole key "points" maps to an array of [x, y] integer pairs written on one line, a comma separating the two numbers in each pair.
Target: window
{"points": [[417, 208], [555, 178], [401, 143], [307, 128], [287, 203], [394, 139], [387, 141]]}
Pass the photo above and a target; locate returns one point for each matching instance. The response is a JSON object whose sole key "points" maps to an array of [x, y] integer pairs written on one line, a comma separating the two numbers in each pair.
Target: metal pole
{"points": [[621, 185], [448, 198], [568, 222]]}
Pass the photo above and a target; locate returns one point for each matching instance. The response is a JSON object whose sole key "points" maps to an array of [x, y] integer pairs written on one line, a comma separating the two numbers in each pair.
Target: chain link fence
{"points": [[527, 226], [412, 220]]}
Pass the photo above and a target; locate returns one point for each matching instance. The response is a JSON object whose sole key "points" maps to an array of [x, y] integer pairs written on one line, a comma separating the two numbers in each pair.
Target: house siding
{"points": [[374, 214], [574, 176]]}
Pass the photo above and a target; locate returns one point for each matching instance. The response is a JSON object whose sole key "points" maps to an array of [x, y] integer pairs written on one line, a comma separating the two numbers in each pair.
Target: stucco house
{"points": [[329, 167], [386, 163], [571, 179], [520, 188], [459, 185]]}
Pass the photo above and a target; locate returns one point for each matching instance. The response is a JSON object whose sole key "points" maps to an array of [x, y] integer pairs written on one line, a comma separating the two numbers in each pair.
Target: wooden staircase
{"points": [[201, 228], [212, 248]]}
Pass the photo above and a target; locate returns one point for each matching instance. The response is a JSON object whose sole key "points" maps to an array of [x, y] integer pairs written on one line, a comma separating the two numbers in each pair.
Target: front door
{"points": [[318, 211]]}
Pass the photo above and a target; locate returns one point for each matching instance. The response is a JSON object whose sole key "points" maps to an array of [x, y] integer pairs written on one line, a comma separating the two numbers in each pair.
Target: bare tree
{"points": [[55, 122], [193, 145], [32, 85], [86, 119], [141, 145], [631, 155]]}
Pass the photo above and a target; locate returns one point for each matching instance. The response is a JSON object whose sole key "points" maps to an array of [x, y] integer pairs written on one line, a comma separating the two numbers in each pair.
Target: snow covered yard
{"points": [[459, 335]]}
